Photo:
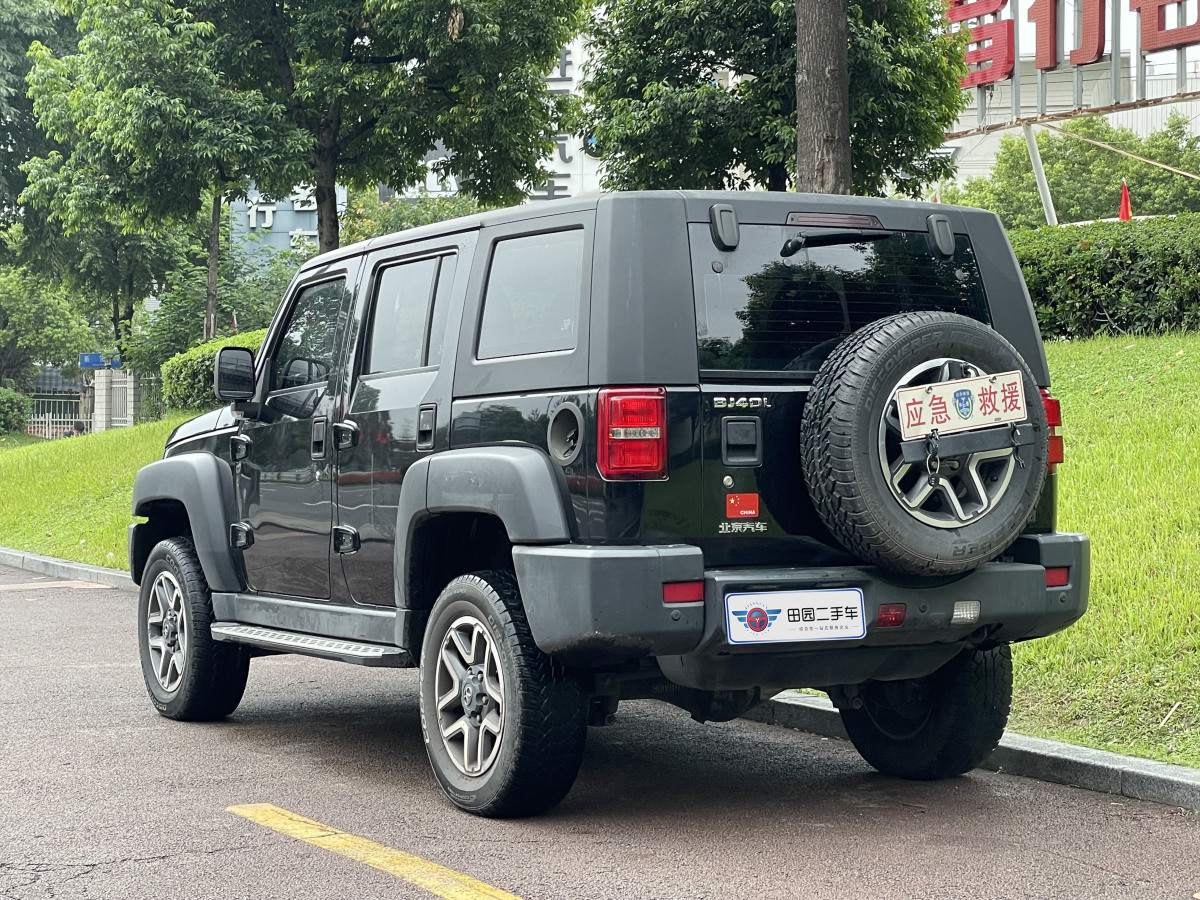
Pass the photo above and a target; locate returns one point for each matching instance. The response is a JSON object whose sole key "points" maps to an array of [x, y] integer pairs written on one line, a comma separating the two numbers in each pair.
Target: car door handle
{"points": [[319, 427], [345, 435], [426, 426]]}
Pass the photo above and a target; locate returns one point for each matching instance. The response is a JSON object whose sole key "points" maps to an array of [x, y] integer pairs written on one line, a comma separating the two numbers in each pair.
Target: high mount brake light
{"points": [[632, 444], [1054, 420]]}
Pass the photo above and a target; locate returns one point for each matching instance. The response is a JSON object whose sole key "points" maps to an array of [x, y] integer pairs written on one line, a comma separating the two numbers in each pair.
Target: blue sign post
{"points": [[98, 361]]}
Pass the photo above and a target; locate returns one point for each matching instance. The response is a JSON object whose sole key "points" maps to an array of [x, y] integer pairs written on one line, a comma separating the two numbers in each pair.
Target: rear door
{"points": [[396, 406], [768, 314]]}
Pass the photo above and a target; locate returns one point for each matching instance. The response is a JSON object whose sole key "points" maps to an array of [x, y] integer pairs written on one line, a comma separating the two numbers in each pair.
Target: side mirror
{"points": [[233, 374]]}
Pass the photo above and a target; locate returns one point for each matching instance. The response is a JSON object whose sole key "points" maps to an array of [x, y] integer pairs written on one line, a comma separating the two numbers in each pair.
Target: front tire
{"points": [[189, 676], [939, 726], [504, 725]]}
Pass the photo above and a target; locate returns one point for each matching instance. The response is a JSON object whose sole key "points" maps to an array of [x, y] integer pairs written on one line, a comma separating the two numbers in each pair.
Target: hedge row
{"points": [[187, 378], [15, 410], [1133, 277]]}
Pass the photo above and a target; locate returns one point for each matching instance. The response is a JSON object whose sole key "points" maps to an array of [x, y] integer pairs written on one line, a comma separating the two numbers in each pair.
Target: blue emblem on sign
{"points": [[964, 403], [757, 619]]}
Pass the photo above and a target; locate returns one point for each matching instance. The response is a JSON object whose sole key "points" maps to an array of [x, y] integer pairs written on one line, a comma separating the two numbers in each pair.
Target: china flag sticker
{"points": [[741, 506]]}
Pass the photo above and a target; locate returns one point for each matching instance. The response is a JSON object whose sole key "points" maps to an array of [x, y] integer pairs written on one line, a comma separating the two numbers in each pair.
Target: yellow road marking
{"points": [[30, 585], [439, 880]]}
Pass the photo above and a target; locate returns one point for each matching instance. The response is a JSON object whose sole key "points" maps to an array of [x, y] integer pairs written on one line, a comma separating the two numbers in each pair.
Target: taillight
{"points": [[1058, 576], [1054, 420], [632, 445], [890, 615]]}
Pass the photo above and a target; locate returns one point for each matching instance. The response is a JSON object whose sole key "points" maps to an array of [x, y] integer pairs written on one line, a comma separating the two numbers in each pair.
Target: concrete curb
{"points": [[61, 568], [1093, 770]]}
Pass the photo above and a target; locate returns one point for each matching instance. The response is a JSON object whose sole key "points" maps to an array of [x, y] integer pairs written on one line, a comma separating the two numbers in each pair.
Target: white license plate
{"points": [[779, 616], [961, 405]]}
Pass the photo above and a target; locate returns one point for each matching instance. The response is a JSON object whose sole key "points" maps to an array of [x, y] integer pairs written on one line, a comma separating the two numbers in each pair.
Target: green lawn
{"points": [[11, 440], [1131, 482], [72, 497]]}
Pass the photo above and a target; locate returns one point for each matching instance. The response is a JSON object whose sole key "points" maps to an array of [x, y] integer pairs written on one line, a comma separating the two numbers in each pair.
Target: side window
{"points": [[306, 350], [399, 317], [532, 299], [441, 305]]}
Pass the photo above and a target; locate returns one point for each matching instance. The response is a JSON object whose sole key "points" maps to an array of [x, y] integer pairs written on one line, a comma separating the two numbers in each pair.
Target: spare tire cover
{"points": [[935, 504]]}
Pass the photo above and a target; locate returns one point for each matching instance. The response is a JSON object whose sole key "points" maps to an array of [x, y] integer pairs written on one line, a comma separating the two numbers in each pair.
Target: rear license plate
{"points": [[961, 405], [788, 616]]}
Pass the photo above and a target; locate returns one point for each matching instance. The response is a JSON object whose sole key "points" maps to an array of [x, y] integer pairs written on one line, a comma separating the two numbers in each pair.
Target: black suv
{"points": [[697, 447]]}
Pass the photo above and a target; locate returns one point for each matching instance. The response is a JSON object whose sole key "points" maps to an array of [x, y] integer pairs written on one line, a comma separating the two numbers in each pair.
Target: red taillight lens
{"points": [[1054, 420], [633, 434], [683, 592], [1058, 576], [890, 615]]}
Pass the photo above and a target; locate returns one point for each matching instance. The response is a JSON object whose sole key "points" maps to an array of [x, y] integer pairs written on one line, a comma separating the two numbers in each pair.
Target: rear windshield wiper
{"points": [[828, 237]]}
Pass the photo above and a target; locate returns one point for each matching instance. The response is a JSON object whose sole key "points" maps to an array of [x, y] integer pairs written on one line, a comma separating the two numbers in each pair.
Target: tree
{"points": [[147, 111], [37, 325], [367, 216], [374, 85], [822, 97], [1085, 180], [687, 93]]}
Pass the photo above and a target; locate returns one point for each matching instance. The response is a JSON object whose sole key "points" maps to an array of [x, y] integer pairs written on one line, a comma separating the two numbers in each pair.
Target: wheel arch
{"points": [[462, 511], [188, 495]]}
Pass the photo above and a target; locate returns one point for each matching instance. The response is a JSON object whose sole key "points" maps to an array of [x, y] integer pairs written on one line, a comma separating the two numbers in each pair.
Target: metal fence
{"points": [[124, 399], [55, 415]]}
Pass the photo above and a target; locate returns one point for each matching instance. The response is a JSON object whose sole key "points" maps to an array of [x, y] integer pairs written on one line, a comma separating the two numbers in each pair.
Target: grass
{"points": [[12, 439], [1132, 483], [72, 497], [1123, 678]]}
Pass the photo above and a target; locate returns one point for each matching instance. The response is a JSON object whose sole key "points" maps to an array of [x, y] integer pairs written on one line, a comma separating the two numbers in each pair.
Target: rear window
{"points": [[759, 311]]}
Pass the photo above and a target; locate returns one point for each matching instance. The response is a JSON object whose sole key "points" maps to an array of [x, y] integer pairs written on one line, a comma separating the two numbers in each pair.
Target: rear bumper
{"points": [[590, 605]]}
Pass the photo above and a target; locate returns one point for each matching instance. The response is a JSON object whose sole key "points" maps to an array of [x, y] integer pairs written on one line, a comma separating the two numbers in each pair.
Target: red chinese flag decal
{"points": [[741, 506]]}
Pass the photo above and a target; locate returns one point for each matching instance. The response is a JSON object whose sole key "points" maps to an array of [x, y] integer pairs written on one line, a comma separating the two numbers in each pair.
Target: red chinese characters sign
{"points": [[990, 48], [952, 406]]}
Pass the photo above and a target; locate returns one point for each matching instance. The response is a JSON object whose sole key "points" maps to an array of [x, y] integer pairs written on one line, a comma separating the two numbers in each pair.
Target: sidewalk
{"points": [[1093, 770]]}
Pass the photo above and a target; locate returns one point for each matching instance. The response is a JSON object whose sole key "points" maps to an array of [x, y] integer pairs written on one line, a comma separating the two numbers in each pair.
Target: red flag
{"points": [[1126, 212]]}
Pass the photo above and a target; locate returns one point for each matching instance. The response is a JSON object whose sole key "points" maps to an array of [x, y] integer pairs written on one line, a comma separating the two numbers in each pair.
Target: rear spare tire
{"points": [[940, 511]]}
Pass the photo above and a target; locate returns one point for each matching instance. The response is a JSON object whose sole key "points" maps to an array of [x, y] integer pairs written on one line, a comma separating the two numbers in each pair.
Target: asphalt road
{"points": [[102, 798]]}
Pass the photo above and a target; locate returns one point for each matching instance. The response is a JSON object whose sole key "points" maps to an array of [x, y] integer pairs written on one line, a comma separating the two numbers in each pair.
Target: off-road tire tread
{"points": [[960, 735], [827, 454], [216, 675], [550, 741]]}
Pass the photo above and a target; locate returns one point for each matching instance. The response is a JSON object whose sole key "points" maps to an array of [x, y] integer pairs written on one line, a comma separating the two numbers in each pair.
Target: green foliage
{"points": [[187, 379], [1134, 277], [367, 217], [15, 410], [1085, 180], [37, 325], [665, 114], [252, 280]]}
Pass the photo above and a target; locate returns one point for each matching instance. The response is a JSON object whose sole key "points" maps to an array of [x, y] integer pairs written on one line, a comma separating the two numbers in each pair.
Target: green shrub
{"points": [[187, 378], [1139, 277], [15, 410]]}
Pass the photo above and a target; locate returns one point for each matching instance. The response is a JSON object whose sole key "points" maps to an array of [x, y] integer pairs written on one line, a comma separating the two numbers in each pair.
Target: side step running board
{"points": [[356, 652]]}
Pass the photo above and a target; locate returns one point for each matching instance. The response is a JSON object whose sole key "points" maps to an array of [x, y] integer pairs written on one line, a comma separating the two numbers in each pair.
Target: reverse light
{"points": [[683, 592], [632, 426], [965, 612], [1058, 576], [1054, 420], [890, 615]]}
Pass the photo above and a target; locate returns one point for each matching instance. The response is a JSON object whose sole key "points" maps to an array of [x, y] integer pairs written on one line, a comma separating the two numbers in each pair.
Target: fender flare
{"points": [[519, 485], [203, 483]]}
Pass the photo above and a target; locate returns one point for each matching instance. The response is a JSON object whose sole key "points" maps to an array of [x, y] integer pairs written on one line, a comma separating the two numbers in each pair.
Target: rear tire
{"points": [[939, 726], [504, 725], [189, 676]]}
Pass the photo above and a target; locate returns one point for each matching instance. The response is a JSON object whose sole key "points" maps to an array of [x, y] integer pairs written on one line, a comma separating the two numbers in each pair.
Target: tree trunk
{"points": [[214, 257], [822, 97], [325, 169]]}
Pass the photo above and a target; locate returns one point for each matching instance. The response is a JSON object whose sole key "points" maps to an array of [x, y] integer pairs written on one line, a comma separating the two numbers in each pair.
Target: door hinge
{"points": [[345, 539], [241, 536], [345, 435], [239, 447]]}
